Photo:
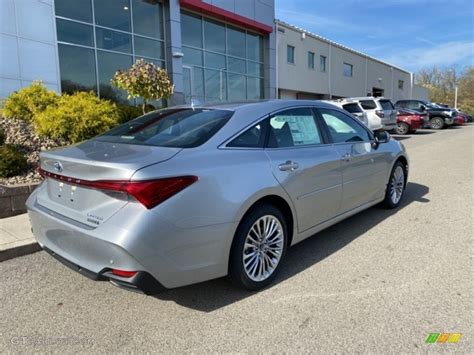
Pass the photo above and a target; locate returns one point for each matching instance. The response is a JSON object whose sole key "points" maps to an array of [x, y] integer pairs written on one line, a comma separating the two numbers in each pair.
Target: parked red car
{"points": [[460, 119], [408, 121]]}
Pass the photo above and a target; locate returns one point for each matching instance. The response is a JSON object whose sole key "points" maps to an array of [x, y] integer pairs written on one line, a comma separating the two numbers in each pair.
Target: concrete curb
{"points": [[19, 248]]}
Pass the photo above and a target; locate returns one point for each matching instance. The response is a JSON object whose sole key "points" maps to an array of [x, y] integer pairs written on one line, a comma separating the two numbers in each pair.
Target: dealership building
{"points": [[213, 50]]}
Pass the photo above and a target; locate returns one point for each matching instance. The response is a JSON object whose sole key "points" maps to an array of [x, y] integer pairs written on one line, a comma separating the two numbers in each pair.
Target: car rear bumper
{"points": [[141, 281], [169, 255]]}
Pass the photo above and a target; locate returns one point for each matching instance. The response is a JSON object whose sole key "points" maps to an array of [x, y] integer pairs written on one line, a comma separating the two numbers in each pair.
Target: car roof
{"points": [[272, 105], [369, 98]]}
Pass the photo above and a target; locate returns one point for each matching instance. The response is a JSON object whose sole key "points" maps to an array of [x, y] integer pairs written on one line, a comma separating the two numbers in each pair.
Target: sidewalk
{"points": [[16, 238]]}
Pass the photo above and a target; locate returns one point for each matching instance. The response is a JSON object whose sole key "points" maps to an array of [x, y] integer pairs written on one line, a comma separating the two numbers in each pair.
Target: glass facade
{"points": [[98, 37], [221, 62]]}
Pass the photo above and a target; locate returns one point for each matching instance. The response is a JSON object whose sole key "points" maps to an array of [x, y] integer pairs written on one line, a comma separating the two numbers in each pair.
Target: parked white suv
{"points": [[379, 107], [354, 107]]}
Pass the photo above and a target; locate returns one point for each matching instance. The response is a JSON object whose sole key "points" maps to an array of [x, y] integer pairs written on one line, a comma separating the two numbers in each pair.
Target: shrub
{"points": [[27, 102], [127, 113], [2, 137], [12, 162], [77, 117]]}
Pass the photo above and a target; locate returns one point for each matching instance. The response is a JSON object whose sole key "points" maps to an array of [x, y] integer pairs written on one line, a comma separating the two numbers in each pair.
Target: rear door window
{"points": [[368, 104], [178, 128], [292, 128], [352, 108]]}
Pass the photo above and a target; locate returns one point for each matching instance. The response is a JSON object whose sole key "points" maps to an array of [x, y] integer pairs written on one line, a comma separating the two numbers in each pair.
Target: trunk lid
{"points": [[92, 161]]}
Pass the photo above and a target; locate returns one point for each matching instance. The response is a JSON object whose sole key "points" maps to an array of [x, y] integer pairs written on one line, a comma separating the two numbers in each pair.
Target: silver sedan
{"points": [[187, 194]]}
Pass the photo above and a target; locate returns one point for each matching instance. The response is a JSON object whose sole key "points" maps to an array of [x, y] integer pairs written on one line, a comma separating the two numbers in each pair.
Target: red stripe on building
{"points": [[216, 12]]}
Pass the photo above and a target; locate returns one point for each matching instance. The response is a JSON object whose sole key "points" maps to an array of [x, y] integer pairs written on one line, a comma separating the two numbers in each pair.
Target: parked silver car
{"points": [[379, 107], [373, 122], [188, 194]]}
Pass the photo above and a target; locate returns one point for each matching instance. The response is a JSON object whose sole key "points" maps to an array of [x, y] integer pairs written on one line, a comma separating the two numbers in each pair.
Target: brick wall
{"points": [[13, 198]]}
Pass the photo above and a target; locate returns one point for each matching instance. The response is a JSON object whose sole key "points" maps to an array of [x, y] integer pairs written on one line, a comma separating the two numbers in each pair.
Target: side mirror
{"points": [[423, 108], [380, 137]]}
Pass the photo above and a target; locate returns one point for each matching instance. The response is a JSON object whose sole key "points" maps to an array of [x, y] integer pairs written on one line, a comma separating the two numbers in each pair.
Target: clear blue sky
{"points": [[411, 34]]}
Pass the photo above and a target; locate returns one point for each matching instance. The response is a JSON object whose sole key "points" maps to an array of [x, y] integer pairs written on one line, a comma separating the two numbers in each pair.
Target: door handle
{"points": [[288, 166], [346, 157]]}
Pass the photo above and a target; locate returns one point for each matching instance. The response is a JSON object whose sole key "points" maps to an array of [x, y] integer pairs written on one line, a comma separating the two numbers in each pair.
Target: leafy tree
{"points": [[144, 80], [442, 82]]}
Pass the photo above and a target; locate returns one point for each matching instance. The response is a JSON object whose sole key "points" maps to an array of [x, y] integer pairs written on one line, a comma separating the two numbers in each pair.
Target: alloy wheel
{"points": [[263, 248], [397, 184]]}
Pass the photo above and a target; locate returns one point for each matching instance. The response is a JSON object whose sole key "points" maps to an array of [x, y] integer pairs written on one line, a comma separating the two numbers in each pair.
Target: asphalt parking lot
{"points": [[380, 281]]}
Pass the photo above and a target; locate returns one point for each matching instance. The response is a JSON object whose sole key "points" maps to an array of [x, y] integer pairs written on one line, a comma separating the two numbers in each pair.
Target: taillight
{"points": [[149, 193], [123, 273], [380, 113]]}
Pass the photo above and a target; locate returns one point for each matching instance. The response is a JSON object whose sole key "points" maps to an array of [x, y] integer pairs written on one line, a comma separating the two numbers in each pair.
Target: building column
{"points": [[270, 90], [174, 64]]}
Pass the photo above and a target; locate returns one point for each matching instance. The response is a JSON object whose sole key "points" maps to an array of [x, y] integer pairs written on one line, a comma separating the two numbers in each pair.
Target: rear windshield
{"points": [[386, 104], [178, 128], [368, 104], [352, 108]]}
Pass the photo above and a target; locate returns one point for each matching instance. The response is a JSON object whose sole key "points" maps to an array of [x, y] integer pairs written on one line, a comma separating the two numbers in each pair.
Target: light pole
{"points": [[456, 97]]}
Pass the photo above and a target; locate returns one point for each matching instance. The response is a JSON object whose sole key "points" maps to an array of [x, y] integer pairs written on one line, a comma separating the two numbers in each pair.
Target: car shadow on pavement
{"points": [[212, 295], [423, 133], [401, 138]]}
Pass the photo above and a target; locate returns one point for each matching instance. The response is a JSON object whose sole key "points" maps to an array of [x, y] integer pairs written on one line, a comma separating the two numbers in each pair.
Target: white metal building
{"points": [[313, 67]]}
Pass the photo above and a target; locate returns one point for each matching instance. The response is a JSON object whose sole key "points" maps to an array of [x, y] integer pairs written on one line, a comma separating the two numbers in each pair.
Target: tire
{"points": [[402, 128], [259, 255], [395, 186], [437, 123]]}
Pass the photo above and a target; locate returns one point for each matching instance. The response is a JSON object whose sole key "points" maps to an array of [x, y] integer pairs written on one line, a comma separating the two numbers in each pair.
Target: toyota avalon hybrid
{"points": [[188, 194]]}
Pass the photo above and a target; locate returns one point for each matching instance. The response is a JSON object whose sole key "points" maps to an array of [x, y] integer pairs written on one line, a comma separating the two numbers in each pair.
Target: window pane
{"points": [[198, 83], [77, 68], [347, 69], [148, 18], [294, 127], [215, 85], [76, 9], [311, 60], [236, 42], [113, 40], [113, 13], [73, 32], [108, 64], [352, 108], [175, 128], [368, 104], [192, 56], [343, 128], [148, 47], [322, 63], [254, 88], [251, 138], [255, 69], [191, 30], [386, 104], [213, 60], [290, 54], [214, 36], [236, 85], [254, 47], [236, 65]]}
